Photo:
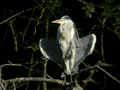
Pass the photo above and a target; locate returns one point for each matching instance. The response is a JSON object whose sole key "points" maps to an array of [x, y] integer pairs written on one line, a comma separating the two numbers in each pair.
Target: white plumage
{"points": [[68, 50]]}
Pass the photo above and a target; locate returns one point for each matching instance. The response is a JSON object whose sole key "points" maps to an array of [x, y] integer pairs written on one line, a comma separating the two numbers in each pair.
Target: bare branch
{"points": [[4, 65], [103, 70], [17, 14], [108, 74], [37, 79]]}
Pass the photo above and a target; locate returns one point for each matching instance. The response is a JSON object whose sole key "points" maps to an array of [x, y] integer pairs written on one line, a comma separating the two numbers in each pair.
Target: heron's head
{"points": [[63, 20]]}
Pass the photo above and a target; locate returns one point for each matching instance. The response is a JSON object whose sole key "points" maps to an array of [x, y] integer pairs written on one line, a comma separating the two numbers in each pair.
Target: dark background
{"points": [[21, 28]]}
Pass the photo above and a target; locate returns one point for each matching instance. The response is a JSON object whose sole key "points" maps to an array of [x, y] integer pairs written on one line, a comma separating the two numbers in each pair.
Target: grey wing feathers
{"points": [[50, 50], [85, 47]]}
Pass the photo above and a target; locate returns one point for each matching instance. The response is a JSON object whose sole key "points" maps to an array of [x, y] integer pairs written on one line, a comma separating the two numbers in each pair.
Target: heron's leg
{"points": [[77, 85], [71, 79], [76, 82]]}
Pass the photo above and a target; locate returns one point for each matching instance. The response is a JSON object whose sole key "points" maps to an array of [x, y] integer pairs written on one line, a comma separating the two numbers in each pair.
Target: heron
{"points": [[68, 50]]}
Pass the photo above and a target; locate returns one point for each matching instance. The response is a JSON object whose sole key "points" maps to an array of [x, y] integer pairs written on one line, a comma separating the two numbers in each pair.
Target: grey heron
{"points": [[68, 50]]}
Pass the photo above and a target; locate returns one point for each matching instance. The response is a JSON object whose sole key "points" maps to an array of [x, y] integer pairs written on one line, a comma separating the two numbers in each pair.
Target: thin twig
{"points": [[108, 74], [45, 64], [4, 65], [27, 27], [44, 75], [103, 70], [102, 46], [14, 86], [2, 85], [30, 69], [17, 14], [14, 35], [87, 68]]}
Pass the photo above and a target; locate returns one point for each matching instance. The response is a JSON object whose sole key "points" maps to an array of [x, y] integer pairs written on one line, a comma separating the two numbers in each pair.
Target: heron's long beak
{"points": [[57, 21]]}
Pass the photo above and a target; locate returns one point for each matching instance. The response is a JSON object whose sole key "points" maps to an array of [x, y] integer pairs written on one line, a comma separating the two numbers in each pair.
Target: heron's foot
{"points": [[63, 76]]}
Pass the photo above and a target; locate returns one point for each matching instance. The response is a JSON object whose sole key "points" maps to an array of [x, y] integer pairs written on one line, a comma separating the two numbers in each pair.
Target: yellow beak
{"points": [[57, 21]]}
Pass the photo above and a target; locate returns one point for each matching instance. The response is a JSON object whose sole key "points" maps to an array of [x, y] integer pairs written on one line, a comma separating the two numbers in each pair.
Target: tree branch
{"points": [[37, 79]]}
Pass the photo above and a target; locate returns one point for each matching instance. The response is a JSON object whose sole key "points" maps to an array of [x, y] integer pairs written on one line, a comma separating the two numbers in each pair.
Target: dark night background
{"points": [[21, 28]]}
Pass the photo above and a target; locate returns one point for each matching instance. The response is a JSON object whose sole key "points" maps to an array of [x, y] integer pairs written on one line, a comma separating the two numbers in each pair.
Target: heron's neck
{"points": [[66, 33]]}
